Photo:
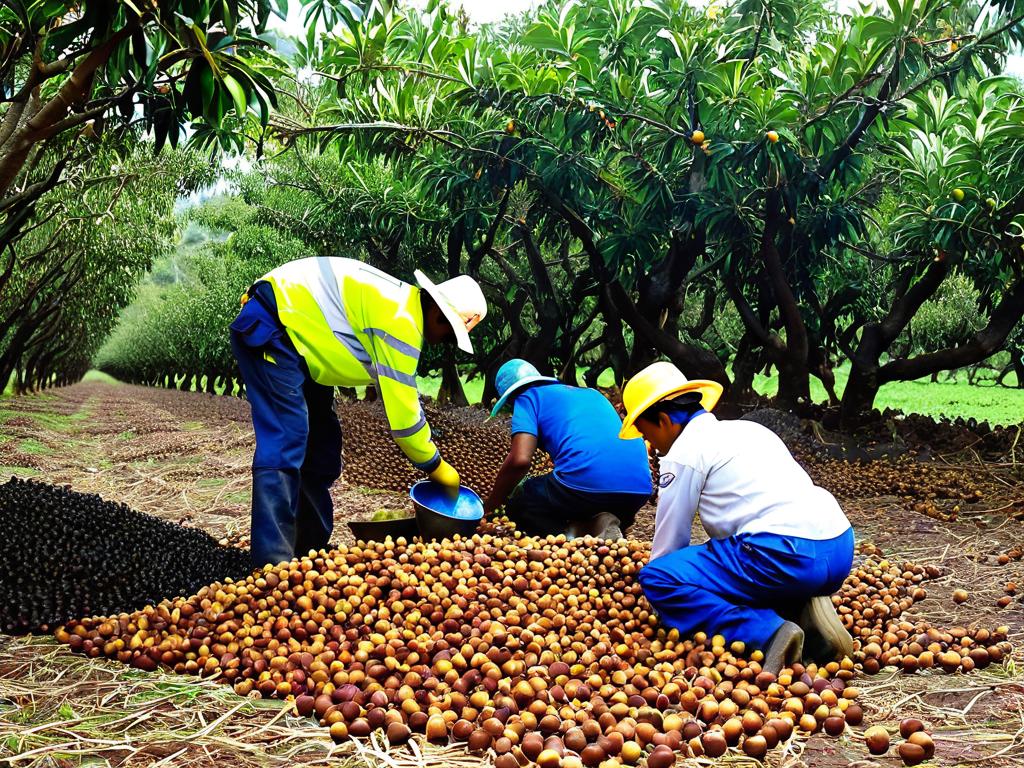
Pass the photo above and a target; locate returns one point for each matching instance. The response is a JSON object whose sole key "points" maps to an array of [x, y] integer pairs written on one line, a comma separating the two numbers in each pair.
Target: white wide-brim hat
{"points": [[461, 302]]}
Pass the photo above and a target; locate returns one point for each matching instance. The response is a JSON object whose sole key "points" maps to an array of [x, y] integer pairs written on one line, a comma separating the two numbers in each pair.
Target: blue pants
{"points": [[737, 587], [298, 437]]}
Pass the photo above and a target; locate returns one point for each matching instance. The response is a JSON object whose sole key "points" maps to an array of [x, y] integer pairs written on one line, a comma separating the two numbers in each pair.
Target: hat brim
{"points": [[518, 386], [710, 392], [457, 323]]}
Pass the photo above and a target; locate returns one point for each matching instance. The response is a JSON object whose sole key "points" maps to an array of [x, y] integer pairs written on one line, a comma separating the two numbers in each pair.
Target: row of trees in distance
{"points": [[626, 179]]}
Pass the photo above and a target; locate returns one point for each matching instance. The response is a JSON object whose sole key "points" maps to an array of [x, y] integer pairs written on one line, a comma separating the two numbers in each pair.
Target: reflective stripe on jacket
{"points": [[354, 326]]}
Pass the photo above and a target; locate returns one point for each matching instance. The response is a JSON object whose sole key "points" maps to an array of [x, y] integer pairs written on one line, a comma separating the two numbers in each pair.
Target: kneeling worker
{"points": [[316, 323], [599, 481], [780, 545]]}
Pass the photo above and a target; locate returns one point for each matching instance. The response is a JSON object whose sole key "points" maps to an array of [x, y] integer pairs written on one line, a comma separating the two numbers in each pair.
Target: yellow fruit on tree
{"points": [[510, 126], [773, 136], [957, 194], [697, 137], [990, 202]]}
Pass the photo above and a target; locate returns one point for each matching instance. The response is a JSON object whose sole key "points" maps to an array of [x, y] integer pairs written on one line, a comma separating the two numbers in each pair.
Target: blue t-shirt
{"points": [[579, 428]]}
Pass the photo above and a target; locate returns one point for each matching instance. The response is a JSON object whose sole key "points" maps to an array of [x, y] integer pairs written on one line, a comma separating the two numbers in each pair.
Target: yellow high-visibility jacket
{"points": [[354, 326]]}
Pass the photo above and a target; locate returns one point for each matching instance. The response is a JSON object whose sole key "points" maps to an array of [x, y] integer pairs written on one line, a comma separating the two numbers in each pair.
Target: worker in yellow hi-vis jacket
{"points": [[317, 323]]}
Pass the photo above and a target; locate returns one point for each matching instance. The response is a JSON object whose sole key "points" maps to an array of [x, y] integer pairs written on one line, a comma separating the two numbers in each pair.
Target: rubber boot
{"points": [[610, 526], [315, 517], [275, 504], [826, 637], [785, 648], [578, 529], [603, 525]]}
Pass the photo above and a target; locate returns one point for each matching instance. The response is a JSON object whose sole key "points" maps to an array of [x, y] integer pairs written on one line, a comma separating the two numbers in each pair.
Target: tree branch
{"points": [[72, 91], [985, 343]]}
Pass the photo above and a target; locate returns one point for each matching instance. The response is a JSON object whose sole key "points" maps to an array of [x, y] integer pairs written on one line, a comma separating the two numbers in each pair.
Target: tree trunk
{"points": [[792, 357], [694, 362], [859, 395], [794, 382], [451, 391], [490, 393], [862, 385], [593, 372], [614, 342], [876, 338], [744, 367]]}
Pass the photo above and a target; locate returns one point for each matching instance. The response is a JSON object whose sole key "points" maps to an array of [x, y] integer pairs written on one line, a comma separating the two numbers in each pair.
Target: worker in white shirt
{"points": [[779, 545]]}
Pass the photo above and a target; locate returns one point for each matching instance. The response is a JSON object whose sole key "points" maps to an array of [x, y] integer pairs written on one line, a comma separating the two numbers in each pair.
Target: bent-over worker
{"points": [[316, 323], [599, 481], [779, 545]]}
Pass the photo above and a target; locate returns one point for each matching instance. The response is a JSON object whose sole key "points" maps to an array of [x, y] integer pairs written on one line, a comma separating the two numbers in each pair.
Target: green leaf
{"points": [[208, 86], [237, 94]]}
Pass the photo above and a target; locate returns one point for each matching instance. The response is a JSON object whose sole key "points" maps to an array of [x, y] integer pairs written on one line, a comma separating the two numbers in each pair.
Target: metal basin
{"points": [[378, 530], [441, 515]]}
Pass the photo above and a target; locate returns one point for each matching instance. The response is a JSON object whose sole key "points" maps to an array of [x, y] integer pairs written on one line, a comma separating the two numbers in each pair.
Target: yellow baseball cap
{"points": [[657, 382]]}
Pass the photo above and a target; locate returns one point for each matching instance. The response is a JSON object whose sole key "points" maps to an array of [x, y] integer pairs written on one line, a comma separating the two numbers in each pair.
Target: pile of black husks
{"points": [[67, 555]]}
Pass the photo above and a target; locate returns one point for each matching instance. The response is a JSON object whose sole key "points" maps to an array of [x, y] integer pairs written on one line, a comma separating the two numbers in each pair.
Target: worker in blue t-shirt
{"points": [[599, 481]]}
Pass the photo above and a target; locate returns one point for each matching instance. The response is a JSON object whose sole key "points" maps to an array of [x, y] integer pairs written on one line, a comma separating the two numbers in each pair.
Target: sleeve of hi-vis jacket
{"points": [[395, 361]]}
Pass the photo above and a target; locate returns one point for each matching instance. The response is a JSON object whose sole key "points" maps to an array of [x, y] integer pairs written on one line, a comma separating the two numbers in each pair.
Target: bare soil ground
{"points": [[185, 457]]}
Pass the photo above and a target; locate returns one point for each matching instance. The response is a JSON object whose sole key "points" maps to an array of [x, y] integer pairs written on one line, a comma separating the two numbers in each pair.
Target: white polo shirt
{"points": [[740, 477]]}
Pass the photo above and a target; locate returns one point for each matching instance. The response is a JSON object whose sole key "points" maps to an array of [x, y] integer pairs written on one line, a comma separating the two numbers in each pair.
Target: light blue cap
{"points": [[513, 376]]}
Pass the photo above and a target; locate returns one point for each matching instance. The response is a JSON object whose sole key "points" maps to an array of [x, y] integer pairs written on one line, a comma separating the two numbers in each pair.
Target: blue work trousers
{"points": [[543, 505], [298, 437], [738, 587]]}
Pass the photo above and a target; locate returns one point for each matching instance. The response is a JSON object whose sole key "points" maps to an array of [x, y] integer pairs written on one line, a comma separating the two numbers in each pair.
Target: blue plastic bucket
{"points": [[441, 515]]}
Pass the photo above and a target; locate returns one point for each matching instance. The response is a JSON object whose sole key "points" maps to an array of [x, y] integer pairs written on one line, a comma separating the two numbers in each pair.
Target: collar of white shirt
{"points": [[689, 439]]}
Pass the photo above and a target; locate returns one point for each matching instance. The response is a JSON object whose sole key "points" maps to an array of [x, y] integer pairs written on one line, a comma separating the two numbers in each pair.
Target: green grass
{"points": [[952, 399], [33, 447], [59, 422], [364, 491], [983, 401], [100, 376], [6, 470], [948, 398]]}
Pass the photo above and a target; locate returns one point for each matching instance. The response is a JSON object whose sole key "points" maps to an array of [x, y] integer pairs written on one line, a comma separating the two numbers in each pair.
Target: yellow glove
{"points": [[446, 475]]}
